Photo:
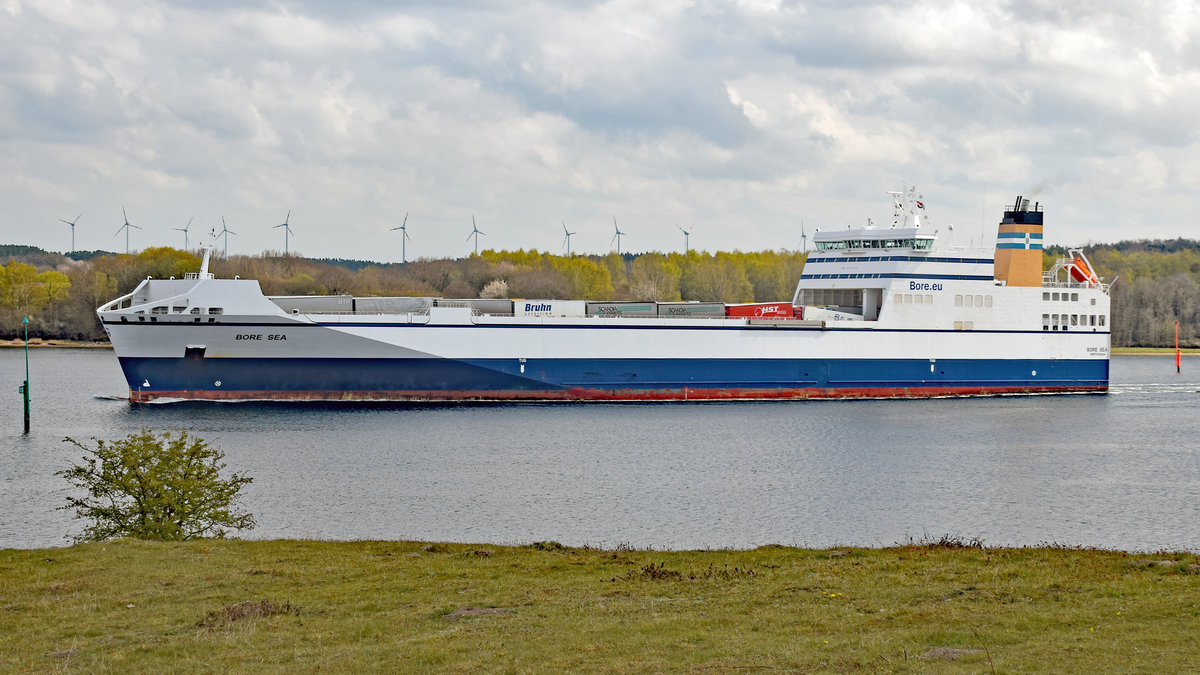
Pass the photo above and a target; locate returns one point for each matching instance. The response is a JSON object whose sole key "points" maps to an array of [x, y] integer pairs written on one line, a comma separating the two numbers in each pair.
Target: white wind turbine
{"points": [[404, 231], [225, 231], [287, 230], [184, 230], [687, 232], [126, 227], [475, 232], [567, 238], [72, 224], [617, 236]]}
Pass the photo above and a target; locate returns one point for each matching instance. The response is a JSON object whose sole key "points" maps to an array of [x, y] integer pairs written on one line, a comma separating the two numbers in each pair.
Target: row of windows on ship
{"points": [[977, 300], [1054, 322], [959, 300], [915, 244], [1071, 321]]}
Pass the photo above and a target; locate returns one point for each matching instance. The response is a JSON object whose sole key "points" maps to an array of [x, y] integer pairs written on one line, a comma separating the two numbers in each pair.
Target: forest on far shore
{"points": [[1157, 282]]}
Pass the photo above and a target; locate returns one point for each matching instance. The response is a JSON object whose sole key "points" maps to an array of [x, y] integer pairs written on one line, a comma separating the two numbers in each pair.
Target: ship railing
{"points": [[1054, 283]]}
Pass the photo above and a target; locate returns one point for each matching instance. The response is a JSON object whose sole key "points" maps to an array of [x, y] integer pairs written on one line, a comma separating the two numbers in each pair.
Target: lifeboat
{"points": [[1082, 272]]}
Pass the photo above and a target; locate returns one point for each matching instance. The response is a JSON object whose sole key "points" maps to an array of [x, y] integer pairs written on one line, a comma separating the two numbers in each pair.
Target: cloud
{"points": [[742, 118]]}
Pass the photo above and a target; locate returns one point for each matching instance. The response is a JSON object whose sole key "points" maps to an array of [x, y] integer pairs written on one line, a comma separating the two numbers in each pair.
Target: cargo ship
{"points": [[879, 311]]}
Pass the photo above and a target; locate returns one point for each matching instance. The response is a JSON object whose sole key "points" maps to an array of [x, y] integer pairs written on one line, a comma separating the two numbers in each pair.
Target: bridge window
{"points": [[1055, 297], [1045, 296], [1045, 322]]}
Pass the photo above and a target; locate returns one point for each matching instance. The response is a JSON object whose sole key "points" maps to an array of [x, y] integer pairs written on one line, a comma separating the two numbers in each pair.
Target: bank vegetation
{"points": [[1157, 282]]}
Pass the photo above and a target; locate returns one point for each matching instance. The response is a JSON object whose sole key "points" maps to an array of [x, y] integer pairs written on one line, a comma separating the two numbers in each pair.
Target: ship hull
{"points": [[510, 379]]}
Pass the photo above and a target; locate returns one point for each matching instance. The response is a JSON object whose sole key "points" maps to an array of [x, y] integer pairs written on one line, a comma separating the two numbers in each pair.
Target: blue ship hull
{"points": [[600, 379]]}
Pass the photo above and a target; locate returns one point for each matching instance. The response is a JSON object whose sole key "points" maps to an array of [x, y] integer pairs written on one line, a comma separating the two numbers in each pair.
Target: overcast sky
{"points": [[744, 119]]}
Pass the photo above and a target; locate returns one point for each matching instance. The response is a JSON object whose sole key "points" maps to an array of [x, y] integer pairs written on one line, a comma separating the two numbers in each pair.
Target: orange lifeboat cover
{"points": [[1081, 272]]}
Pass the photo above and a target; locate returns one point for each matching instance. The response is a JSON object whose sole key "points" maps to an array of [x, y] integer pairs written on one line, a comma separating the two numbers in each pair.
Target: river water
{"points": [[1120, 471]]}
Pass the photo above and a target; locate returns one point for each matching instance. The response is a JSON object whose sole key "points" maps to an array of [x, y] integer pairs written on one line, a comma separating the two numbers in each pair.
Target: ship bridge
{"points": [[852, 270]]}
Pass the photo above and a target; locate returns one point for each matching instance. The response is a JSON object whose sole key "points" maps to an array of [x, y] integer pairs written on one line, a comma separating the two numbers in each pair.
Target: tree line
{"points": [[1157, 283]]}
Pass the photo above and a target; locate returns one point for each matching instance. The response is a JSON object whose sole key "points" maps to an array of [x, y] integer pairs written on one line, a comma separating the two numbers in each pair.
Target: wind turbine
{"points": [[72, 224], [126, 227], [287, 230], [475, 232], [184, 230], [617, 236], [803, 238], [567, 239], [687, 232], [404, 231], [225, 231]]}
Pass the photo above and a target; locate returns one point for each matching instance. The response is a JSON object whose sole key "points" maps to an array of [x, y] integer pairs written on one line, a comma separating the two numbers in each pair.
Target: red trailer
{"points": [[762, 310]]}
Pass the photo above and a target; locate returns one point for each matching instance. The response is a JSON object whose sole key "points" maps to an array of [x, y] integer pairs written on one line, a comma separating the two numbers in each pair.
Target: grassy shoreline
{"points": [[1151, 351], [379, 605]]}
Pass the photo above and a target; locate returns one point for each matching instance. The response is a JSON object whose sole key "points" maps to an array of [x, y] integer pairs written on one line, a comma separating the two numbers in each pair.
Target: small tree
{"points": [[166, 487], [496, 288]]}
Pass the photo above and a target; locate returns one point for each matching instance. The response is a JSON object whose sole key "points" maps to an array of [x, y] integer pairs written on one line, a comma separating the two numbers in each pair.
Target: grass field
{"points": [[301, 605]]}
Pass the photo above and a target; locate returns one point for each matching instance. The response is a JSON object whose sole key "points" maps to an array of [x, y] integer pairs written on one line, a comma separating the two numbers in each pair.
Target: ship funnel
{"points": [[1019, 245]]}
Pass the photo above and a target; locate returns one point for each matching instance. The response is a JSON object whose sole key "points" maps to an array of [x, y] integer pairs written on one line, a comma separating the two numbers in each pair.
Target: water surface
{"points": [[1117, 471]]}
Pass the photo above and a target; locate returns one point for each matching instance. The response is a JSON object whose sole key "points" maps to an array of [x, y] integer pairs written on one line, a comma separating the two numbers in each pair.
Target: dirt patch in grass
{"points": [[653, 572], [948, 654], [463, 612], [247, 610], [659, 572]]}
